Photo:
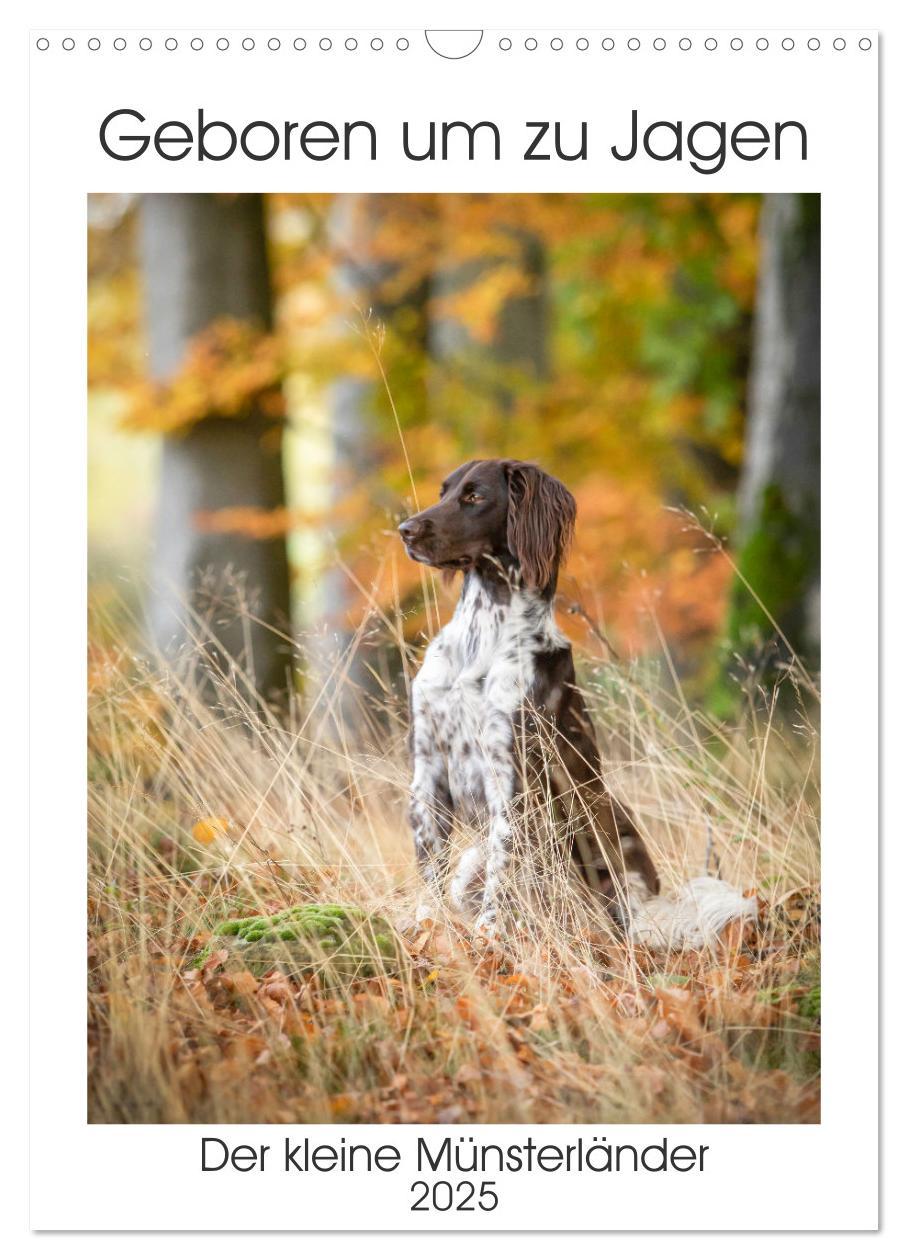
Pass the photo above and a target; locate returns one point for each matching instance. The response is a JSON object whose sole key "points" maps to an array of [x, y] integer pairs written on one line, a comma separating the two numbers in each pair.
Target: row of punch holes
{"points": [[402, 44]]}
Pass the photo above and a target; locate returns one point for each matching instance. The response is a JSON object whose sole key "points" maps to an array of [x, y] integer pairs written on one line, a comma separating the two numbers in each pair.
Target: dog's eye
{"points": [[471, 497]]}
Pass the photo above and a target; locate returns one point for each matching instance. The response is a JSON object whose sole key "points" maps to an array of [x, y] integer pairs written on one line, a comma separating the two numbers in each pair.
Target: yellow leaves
{"points": [[228, 370], [478, 307], [207, 830], [738, 262], [114, 320]]}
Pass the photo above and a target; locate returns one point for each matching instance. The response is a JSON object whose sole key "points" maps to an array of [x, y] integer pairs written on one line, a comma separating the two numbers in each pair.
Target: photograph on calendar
{"points": [[453, 658]]}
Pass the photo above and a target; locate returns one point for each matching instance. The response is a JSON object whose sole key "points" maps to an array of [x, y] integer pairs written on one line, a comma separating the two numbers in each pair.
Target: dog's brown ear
{"points": [[541, 515]]}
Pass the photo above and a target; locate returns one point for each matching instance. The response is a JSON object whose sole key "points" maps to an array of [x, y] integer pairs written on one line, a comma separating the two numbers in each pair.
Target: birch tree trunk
{"points": [[204, 258], [373, 296]]}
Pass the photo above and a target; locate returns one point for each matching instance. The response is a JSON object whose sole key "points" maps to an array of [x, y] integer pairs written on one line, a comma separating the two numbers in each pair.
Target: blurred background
{"points": [[275, 381]]}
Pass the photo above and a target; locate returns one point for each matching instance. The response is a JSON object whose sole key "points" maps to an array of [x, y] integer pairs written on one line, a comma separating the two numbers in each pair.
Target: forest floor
{"points": [[200, 812]]}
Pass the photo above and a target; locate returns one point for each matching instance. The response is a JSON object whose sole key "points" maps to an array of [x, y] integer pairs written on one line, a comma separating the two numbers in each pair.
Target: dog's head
{"points": [[504, 511]]}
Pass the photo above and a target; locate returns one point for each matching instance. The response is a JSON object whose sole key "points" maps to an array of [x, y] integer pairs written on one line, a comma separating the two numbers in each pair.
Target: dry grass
{"points": [[562, 1022]]}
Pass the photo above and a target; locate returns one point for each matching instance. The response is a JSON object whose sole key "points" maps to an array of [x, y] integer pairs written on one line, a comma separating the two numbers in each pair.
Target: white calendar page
{"points": [[584, 109]]}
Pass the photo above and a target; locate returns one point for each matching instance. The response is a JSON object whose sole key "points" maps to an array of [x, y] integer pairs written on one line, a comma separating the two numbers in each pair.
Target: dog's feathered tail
{"points": [[693, 916]]}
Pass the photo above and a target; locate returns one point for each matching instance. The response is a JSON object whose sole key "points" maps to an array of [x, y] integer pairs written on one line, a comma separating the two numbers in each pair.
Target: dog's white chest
{"points": [[476, 675]]}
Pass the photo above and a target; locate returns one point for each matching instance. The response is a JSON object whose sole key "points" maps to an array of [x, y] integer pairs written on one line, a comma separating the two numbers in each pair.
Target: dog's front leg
{"points": [[431, 817], [469, 881], [498, 863], [499, 783]]}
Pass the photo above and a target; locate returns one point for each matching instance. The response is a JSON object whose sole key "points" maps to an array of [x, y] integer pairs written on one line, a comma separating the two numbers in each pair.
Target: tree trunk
{"points": [[779, 495], [369, 288], [204, 258], [495, 371]]}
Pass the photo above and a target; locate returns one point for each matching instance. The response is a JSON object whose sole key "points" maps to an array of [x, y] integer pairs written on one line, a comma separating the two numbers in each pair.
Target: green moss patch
{"points": [[342, 940]]}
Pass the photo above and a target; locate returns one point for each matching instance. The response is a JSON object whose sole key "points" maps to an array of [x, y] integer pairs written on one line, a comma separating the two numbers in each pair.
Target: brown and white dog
{"points": [[498, 722]]}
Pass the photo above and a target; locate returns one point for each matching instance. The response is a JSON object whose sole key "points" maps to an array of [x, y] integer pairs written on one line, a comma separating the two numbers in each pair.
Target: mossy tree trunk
{"points": [[778, 540], [204, 258]]}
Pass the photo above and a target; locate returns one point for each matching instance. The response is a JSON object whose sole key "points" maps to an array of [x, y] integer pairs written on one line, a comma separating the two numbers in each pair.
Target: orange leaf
{"points": [[242, 982], [206, 830]]}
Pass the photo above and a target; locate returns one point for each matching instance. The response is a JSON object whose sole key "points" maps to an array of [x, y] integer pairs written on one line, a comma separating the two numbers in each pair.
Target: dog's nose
{"points": [[411, 530]]}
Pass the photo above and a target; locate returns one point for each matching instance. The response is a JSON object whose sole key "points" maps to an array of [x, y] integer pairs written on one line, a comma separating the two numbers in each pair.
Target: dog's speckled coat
{"points": [[498, 722]]}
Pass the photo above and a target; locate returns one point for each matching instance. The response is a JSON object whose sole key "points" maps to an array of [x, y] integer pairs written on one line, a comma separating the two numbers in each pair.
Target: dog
{"points": [[497, 719]]}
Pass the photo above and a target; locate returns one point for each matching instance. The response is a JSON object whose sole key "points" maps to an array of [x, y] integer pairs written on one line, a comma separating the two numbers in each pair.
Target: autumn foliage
{"points": [[627, 382]]}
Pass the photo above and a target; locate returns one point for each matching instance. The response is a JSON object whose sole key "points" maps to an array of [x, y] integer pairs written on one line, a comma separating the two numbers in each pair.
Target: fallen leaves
{"points": [[498, 1033], [243, 983]]}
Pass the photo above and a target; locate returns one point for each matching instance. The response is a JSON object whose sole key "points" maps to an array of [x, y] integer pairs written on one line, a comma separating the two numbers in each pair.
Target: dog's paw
{"points": [[487, 929], [427, 914]]}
